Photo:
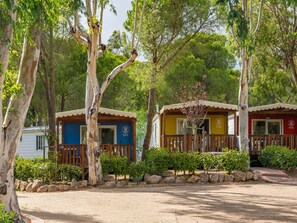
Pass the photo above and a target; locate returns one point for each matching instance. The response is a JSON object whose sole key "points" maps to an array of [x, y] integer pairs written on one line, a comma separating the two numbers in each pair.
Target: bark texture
{"points": [[15, 117]]}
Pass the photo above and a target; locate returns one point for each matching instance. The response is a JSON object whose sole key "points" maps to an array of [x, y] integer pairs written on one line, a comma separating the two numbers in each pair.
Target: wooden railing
{"points": [[208, 143], [258, 142], [76, 154]]}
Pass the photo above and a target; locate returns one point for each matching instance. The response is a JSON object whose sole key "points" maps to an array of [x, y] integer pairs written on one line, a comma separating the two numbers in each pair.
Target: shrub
{"points": [[157, 160], [136, 171], [6, 217], [69, 172], [235, 160], [23, 168], [105, 159], [208, 161], [279, 157], [114, 164], [184, 161]]}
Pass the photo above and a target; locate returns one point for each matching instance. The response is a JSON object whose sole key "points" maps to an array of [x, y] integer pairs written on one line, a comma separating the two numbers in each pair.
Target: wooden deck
{"points": [[216, 143]]}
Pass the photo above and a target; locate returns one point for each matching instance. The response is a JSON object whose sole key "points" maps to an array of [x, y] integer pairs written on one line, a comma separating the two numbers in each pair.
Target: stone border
{"points": [[31, 219]]}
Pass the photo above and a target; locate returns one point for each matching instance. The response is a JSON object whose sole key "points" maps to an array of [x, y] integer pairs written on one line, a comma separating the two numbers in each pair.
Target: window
{"points": [[265, 127], [107, 134], [185, 128], [40, 142]]}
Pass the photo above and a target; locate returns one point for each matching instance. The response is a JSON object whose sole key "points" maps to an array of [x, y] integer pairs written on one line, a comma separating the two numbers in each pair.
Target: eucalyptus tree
{"points": [[244, 27], [31, 17], [164, 22], [91, 40]]}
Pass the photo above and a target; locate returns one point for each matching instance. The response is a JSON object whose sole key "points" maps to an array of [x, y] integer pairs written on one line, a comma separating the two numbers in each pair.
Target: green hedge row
{"points": [[6, 217], [160, 159], [46, 170], [278, 157]]}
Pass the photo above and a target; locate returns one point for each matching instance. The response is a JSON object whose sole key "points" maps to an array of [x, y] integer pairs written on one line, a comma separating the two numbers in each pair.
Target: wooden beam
{"points": [[134, 140], [235, 123]]}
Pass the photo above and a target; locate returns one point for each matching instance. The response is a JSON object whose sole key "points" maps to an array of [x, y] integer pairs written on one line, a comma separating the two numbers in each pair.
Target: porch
{"points": [[217, 142]]}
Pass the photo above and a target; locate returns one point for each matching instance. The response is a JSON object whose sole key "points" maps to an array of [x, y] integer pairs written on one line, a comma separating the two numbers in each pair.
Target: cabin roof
{"points": [[273, 107], [105, 111], [208, 104]]}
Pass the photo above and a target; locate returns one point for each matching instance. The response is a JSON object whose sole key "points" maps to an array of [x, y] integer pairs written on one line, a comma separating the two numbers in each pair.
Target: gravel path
{"points": [[226, 203]]}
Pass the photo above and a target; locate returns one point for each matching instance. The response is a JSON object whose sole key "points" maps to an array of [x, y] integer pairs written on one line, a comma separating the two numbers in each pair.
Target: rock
{"points": [[17, 184], [132, 184], [110, 184], [169, 180], [204, 178], [52, 188], [122, 183], [239, 176], [154, 179], [36, 185], [73, 184], [221, 178], [228, 178], [249, 175], [83, 183], [168, 173], [109, 178], [257, 176], [146, 176], [29, 187], [193, 179], [42, 189], [181, 179], [23, 185], [214, 178], [142, 183], [64, 187]]}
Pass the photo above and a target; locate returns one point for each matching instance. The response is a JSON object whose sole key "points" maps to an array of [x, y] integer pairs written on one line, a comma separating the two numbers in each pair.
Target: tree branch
{"points": [[140, 24], [259, 17], [135, 24], [80, 39]]}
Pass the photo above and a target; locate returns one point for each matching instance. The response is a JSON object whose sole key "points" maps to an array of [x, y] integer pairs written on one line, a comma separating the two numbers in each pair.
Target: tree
{"points": [[244, 30], [165, 22], [94, 91]]}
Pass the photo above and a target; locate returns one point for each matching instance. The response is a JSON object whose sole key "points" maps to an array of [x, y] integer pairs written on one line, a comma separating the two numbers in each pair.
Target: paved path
{"points": [[220, 203], [273, 175]]}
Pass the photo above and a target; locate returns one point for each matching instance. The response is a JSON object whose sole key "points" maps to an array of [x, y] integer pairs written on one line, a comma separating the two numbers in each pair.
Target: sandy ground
{"points": [[240, 202]]}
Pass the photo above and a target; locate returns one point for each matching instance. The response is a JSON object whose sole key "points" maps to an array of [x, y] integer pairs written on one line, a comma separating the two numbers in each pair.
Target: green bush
{"points": [[184, 161], [279, 157], [114, 164], [157, 160], [6, 217], [235, 160], [23, 168], [208, 161], [136, 171], [69, 172]]}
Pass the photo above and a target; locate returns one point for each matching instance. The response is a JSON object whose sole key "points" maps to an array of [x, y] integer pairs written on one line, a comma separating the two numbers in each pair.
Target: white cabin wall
{"points": [[231, 124]]}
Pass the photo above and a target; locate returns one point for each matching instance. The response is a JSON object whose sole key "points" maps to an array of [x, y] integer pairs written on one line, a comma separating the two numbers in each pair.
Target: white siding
{"points": [[231, 124], [27, 146], [155, 140]]}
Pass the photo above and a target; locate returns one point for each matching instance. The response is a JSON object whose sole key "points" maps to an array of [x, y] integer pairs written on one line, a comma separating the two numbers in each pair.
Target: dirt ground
{"points": [[226, 203]]}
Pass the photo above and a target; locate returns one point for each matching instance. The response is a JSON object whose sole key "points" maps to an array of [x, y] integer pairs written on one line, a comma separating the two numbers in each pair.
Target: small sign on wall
{"points": [[291, 124], [219, 123], [125, 130]]}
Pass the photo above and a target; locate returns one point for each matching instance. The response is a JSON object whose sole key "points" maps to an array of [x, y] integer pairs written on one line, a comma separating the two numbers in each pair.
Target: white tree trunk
{"points": [[243, 100], [15, 117]]}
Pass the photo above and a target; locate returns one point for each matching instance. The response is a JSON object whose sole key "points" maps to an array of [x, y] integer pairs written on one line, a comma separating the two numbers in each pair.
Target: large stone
{"points": [[73, 184], [204, 177], [109, 184], [29, 187], [146, 176], [36, 185], [52, 188], [257, 176], [181, 179], [249, 175], [239, 176], [132, 184], [64, 187], [228, 178], [168, 173], [193, 179], [83, 183], [221, 178], [42, 189], [214, 178], [23, 185], [17, 184], [109, 178], [169, 180], [122, 183], [154, 179]]}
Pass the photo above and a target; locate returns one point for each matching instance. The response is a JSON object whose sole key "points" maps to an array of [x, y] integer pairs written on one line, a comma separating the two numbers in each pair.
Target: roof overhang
{"points": [[280, 107]]}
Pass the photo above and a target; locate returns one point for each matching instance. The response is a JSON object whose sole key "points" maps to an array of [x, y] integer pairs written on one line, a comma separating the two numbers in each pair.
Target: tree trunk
{"points": [[293, 69], [243, 100], [15, 118]]}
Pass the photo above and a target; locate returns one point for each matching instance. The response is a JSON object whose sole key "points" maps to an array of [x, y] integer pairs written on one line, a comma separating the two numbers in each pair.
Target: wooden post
{"points": [[163, 129], [235, 124], [134, 141], [55, 152]]}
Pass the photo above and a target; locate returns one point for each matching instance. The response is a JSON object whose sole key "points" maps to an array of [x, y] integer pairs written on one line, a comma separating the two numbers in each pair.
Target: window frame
{"points": [[178, 119], [266, 125], [40, 142], [100, 127]]}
